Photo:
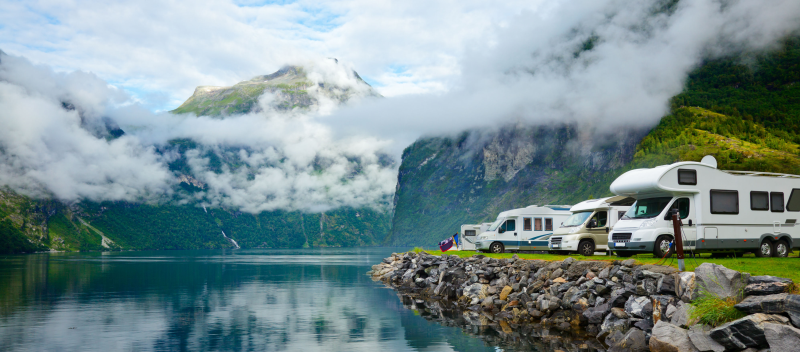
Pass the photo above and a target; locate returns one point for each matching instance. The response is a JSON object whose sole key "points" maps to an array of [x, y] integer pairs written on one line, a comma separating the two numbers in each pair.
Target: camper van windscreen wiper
{"points": [[647, 208]]}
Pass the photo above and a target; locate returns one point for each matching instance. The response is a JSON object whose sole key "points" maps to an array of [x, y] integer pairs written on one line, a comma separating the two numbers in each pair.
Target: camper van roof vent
{"points": [[710, 161]]}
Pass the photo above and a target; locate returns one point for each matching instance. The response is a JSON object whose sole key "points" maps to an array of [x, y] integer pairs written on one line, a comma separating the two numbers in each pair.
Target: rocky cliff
{"points": [[448, 181]]}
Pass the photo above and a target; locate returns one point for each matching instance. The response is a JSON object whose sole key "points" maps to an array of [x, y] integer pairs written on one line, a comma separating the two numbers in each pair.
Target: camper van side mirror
{"points": [[592, 224], [501, 230]]}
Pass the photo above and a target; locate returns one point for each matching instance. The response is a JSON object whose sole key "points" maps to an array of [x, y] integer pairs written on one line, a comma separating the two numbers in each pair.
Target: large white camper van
{"points": [[469, 235], [719, 210], [586, 230], [525, 229]]}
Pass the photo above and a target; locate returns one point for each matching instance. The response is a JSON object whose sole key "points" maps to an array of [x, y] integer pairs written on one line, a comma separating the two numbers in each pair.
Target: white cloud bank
{"points": [[528, 68], [289, 160]]}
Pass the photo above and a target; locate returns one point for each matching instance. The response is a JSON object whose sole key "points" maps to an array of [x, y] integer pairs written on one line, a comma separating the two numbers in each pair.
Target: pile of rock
{"points": [[629, 307]]}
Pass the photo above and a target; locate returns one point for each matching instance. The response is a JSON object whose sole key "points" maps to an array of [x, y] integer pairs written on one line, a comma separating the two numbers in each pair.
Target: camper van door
{"points": [[601, 226], [508, 233]]}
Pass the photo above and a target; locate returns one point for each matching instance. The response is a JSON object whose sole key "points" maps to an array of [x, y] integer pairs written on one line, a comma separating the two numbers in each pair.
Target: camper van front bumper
{"points": [[642, 246], [563, 245]]}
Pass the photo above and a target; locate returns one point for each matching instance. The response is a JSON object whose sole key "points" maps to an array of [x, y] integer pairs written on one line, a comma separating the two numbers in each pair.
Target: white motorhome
{"points": [[469, 235], [720, 211], [586, 230], [524, 229]]}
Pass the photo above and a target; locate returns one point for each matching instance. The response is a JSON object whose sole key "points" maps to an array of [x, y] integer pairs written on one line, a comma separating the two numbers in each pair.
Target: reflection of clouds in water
{"points": [[125, 301]]}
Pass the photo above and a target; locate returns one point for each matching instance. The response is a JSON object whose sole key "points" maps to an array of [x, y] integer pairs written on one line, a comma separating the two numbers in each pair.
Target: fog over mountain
{"points": [[600, 64]]}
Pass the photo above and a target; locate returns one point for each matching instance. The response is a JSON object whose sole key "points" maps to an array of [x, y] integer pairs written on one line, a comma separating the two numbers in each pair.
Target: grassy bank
{"points": [[781, 267]]}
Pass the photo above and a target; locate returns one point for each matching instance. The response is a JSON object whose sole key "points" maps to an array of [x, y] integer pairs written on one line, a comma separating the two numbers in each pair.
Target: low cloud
{"points": [[602, 65], [58, 141]]}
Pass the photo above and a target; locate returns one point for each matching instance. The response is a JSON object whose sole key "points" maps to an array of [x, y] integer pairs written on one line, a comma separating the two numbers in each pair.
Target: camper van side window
{"points": [[794, 200], [620, 214], [548, 224], [537, 224], [687, 177], [759, 200], [511, 225], [526, 224], [724, 202], [776, 200]]}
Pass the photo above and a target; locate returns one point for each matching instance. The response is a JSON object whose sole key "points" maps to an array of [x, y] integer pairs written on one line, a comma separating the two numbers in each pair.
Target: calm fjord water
{"points": [[224, 300]]}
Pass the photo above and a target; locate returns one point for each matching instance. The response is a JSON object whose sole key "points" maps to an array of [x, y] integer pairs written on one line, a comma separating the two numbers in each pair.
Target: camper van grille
{"points": [[555, 240], [621, 237]]}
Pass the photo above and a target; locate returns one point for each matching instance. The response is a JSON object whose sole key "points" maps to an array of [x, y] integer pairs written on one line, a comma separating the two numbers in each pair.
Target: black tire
{"points": [[497, 247], [781, 249], [661, 248], [586, 248], [765, 249], [624, 254]]}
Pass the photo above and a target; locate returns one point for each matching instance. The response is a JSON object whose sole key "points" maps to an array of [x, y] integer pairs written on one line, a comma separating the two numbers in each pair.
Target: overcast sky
{"points": [[161, 50]]}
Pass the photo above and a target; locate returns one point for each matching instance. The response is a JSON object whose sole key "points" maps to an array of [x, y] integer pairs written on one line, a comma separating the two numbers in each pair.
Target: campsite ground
{"points": [[781, 267]]}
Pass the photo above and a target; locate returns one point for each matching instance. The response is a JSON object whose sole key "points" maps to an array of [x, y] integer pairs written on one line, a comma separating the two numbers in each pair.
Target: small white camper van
{"points": [[586, 230], [469, 235], [720, 211], [524, 229]]}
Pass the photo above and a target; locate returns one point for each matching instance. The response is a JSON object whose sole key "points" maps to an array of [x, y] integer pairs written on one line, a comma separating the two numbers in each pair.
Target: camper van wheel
{"points": [[586, 248], [497, 247], [781, 249], [765, 249], [661, 248]]}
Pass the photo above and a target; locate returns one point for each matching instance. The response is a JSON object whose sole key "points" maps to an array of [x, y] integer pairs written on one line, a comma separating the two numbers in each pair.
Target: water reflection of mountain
{"points": [[497, 332], [211, 300]]}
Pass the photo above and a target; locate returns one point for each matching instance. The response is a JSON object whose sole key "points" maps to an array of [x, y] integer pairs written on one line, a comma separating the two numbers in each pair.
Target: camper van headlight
{"points": [[573, 230], [648, 223]]}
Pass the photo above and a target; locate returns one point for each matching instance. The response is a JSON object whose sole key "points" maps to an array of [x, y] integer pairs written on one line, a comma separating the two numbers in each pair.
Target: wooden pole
{"points": [[676, 226]]}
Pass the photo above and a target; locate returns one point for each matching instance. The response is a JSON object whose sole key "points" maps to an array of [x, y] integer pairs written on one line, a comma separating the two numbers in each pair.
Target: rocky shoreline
{"points": [[594, 305]]}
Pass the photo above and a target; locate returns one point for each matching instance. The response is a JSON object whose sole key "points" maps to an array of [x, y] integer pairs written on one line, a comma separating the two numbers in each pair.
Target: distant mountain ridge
{"points": [[290, 85]]}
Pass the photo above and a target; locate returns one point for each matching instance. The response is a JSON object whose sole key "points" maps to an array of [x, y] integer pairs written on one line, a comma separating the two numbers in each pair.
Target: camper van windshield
{"points": [[496, 224], [577, 219], [647, 208]]}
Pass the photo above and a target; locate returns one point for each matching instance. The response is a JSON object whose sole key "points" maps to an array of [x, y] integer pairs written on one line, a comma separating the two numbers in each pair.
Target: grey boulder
{"points": [[639, 306], [782, 338], [670, 338], [681, 317], [633, 340], [777, 303], [745, 332], [720, 281], [699, 334]]}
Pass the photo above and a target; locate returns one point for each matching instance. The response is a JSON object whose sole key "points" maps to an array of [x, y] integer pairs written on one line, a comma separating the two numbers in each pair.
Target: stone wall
{"points": [[626, 306]]}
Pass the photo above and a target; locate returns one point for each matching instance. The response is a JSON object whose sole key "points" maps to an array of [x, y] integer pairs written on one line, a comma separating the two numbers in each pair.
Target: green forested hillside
{"points": [[744, 110], [28, 225]]}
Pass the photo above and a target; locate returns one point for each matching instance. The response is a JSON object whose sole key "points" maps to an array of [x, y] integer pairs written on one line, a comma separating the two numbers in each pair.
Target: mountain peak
{"points": [[293, 87]]}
